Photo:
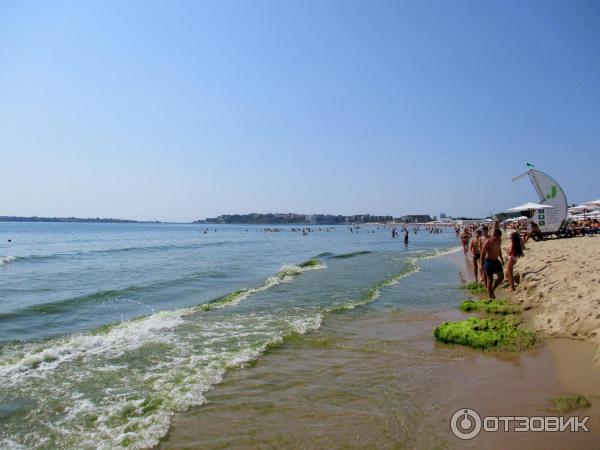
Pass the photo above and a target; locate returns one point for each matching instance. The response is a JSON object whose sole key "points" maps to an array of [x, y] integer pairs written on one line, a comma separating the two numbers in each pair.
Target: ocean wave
{"points": [[438, 253], [142, 248], [285, 275], [47, 355], [179, 358], [62, 305], [374, 292], [134, 410], [7, 259], [352, 254], [20, 361], [412, 267]]}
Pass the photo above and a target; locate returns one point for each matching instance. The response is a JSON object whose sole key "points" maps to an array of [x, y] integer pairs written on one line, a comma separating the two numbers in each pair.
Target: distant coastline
{"points": [[259, 219], [295, 219], [69, 219]]}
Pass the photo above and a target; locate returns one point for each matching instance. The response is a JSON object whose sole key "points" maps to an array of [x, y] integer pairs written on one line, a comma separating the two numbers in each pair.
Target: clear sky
{"points": [[176, 110]]}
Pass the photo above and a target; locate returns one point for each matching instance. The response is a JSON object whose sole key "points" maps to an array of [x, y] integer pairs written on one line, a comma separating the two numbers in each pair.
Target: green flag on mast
{"points": [[530, 165]]}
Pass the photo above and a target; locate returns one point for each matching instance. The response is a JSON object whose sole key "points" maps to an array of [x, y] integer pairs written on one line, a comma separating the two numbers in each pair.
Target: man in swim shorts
{"points": [[475, 250], [492, 260]]}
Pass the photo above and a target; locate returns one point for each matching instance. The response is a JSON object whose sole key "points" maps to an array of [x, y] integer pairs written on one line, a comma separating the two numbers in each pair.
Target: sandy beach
{"points": [[560, 282]]}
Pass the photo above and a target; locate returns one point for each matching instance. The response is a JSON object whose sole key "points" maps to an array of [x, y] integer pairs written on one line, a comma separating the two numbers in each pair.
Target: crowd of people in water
{"points": [[370, 229], [484, 245]]}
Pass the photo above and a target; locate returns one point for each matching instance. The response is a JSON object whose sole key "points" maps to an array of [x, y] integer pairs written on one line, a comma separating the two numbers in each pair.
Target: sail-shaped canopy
{"points": [[550, 194]]}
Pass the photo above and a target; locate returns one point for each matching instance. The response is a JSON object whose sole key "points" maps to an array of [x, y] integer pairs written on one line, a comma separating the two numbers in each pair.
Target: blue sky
{"points": [[182, 110]]}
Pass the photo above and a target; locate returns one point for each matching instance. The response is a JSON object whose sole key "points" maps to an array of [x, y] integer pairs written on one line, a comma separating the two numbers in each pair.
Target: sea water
{"points": [[108, 330]]}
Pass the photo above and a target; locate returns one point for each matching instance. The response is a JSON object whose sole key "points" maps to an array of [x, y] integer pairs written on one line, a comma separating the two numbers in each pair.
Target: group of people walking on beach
{"points": [[487, 257]]}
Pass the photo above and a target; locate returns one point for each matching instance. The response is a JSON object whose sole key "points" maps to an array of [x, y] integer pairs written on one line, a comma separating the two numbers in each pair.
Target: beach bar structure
{"points": [[551, 213]]}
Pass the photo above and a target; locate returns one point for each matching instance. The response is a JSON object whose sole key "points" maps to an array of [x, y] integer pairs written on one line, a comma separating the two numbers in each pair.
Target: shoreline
{"points": [[315, 409]]}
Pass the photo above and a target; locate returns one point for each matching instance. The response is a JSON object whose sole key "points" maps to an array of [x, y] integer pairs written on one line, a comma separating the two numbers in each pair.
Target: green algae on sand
{"points": [[486, 334], [475, 288], [502, 307], [568, 403]]}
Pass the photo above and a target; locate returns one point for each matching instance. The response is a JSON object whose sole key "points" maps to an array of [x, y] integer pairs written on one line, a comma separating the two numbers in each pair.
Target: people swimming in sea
{"points": [[475, 250], [514, 251], [406, 235], [492, 260]]}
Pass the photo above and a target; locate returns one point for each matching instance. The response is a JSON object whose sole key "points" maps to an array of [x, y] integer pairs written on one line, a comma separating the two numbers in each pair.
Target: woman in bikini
{"points": [[514, 251]]}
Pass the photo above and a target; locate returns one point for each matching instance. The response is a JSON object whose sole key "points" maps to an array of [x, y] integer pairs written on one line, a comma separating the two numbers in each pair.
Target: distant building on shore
{"points": [[415, 218], [464, 221]]}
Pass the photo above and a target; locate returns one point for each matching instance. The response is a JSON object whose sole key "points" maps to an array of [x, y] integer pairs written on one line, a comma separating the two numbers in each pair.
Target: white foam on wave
{"points": [[7, 259], [374, 293], [285, 275], [9, 444], [135, 410], [306, 324], [20, 362], [34, 360], [437, 253]]}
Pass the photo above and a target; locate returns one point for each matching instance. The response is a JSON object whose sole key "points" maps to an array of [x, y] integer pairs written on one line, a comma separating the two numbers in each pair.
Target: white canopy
{"points": [[517, 219], [583, 208], [592, 215], [530, 205]]}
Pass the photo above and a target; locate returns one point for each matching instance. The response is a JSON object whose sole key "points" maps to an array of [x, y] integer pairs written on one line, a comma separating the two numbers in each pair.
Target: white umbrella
{"points": [[584, 208], [587, 206], [593, 203], [528, 206], [594, 213]]}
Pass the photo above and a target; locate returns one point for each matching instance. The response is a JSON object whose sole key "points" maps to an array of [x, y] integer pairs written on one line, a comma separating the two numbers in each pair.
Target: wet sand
{"points": [[376, 379]]}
